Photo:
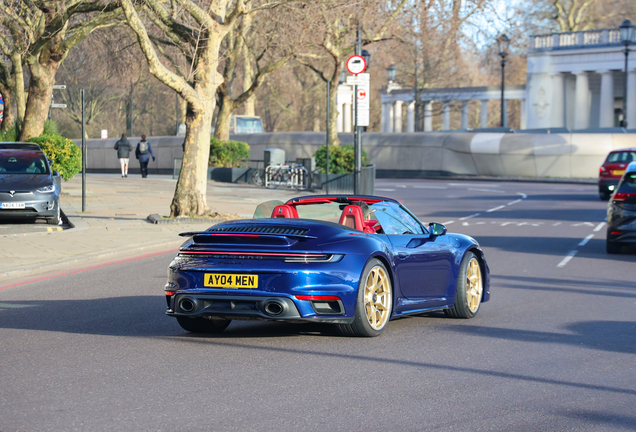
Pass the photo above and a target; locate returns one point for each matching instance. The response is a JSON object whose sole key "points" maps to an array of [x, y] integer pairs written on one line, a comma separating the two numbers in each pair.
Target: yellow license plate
{"points": [[618, 172], [220, 280]]}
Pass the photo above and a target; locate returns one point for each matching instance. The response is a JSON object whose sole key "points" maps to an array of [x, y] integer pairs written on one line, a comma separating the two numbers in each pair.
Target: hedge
{"points": [[228, 154], [65, 154], [341, 159]]}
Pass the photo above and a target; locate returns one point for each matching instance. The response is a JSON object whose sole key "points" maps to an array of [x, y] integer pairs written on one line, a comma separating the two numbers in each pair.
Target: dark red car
{"points": [[610, 173]]}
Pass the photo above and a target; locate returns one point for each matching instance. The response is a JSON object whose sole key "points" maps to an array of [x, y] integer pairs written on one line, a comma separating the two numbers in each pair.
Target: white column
{"points": [[347, 117], [464, 115], [446, 116], [410, 117], [384, 121], [606, 109], [522, 120], [483, 114], [397, 117], [631, 99], [557, 118], [582, 103], [339, 119], [428, 116], [391, 118]]}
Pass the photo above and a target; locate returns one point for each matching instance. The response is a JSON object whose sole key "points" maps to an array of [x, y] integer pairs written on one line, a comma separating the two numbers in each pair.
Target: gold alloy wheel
{"points": [[474, 285], [377, 298]]}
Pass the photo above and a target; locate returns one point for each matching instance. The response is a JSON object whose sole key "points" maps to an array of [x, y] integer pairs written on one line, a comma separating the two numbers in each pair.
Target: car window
{"points": [[394, 219], [22, 163], [628, 183], [621, 157]]}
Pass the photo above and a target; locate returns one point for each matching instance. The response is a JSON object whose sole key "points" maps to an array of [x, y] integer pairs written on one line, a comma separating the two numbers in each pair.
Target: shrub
{"points": [[10, 135], [65, 154], [341, 159], [228, 154]]}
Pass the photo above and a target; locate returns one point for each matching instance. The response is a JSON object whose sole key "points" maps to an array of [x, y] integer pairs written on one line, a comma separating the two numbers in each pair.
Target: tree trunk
{"points": [[39, 101], [222, 130], [190, 193], [332, 133], [18, 82]]}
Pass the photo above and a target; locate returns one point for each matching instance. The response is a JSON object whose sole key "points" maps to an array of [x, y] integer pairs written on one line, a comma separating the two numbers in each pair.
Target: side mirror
{"points": [[56, 174], [437, 229]]}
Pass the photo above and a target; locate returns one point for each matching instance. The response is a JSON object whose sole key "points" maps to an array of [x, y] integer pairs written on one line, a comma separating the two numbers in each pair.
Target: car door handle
{"points": [[402, 255]]}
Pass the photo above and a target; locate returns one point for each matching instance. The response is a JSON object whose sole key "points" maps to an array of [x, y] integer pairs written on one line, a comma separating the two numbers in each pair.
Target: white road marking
{"points": [[401, 186], [447, 223], [474, 184], [480, 223], [584, 224], [429, 187], [385, 190], [506, 223], [567, 258], [586, 239], [486, 190], [599, 226], [471, 216], [465, 224], [523, 196], [495, 209], [514, 202], [557, 224]]}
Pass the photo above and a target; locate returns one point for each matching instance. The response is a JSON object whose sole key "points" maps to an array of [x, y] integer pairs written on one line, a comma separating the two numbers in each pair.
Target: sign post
{"points": [[356, 65]]}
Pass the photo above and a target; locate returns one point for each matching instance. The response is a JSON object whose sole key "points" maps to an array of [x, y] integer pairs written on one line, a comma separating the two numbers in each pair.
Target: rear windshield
{"points": [[621, 157], [22, 162], [628, 183]]}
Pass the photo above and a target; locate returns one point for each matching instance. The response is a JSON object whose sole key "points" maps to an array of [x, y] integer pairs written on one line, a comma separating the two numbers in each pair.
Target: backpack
{"points": [[143, 147]]}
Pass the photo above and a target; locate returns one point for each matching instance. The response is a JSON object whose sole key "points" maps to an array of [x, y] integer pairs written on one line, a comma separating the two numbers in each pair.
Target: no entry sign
{"points": [[356, 64]]}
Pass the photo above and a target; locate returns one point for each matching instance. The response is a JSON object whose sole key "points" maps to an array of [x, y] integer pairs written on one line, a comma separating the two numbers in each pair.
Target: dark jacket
{"points": [[144, 157], [123, 148]]}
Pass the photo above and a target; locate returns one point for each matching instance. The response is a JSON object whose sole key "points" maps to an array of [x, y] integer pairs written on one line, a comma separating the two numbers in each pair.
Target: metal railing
{"points": [[580, 39]]}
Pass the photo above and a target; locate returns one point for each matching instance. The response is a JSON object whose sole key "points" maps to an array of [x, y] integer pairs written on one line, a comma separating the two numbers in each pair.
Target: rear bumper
{"points": [[245, 307], [604, 184]]}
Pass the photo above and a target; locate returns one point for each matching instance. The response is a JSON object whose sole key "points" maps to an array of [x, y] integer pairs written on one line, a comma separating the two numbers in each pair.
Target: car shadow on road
{"points": [[136, 316], [611, 336]]}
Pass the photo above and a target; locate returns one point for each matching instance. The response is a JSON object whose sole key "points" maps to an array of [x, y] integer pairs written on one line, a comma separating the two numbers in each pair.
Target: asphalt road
{"points": [[554, 349]]}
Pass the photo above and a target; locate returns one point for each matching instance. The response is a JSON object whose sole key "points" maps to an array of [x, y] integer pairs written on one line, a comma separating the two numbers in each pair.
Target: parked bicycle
{"points": [[285, 175]]}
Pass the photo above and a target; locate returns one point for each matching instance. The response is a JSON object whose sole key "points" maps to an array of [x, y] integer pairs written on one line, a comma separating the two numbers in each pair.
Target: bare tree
{"points": [[197, 29], [331, 31]]}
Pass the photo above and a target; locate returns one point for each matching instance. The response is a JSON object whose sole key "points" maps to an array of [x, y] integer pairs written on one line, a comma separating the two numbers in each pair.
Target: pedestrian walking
{"points": [[123, 148], [143, 153]]}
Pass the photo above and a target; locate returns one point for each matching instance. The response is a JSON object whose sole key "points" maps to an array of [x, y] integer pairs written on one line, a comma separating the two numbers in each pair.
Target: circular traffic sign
{"points": [[362, 94], [356, 64]]}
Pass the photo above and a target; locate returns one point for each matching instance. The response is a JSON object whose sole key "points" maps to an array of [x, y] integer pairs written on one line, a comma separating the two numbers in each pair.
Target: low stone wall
{"points": [[418, 154]]}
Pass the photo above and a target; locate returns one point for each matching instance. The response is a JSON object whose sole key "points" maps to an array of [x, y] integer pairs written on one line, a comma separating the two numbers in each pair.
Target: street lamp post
{"points": [[503, 42], [627, 34]]}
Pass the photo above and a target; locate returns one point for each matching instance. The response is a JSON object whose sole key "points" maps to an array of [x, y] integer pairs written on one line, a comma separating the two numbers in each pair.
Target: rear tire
{"points": [[203, 325], [374, 303], [612, 248], [257, 178], [470, 289]]}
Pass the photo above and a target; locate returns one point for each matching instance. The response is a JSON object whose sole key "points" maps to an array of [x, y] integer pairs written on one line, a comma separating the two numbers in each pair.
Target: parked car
{"points": [[621, 213], [352, 261], [245, 124], [28, 187], [612, 169]]}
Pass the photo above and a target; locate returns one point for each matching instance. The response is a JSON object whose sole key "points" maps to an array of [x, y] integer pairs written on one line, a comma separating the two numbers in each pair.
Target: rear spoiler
{"points": [[246, 234]]}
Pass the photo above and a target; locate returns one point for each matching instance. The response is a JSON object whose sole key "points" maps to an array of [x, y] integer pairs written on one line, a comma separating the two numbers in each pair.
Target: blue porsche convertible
{"points": [[353, 261]]}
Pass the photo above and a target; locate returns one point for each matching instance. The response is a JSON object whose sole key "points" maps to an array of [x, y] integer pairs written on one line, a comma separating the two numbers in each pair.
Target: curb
{"points": [[74, 220], [159, 220]]}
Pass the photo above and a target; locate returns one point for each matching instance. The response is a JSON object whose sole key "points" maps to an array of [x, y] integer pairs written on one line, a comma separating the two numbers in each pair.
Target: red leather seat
{"points": [[352, 217], [285, 211]]}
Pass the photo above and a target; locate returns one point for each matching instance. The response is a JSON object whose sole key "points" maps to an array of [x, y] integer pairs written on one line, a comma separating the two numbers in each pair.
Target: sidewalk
{"points": [[114, 225]]}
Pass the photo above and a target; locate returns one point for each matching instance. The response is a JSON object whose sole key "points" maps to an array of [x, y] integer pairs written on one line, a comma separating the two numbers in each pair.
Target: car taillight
{"points": [[318, 297], [601, 169], [169, 293], [621, 196]]}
